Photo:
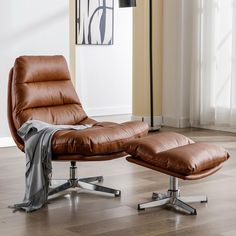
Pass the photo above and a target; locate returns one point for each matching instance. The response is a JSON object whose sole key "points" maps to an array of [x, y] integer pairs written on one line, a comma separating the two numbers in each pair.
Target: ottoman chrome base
{"points": [[174, 199]]}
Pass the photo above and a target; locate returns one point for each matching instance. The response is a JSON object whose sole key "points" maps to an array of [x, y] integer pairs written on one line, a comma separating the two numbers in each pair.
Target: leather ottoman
{"points": [[179, 157]]}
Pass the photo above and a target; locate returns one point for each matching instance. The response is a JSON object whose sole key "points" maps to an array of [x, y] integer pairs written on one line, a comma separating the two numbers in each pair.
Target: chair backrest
{"points": [[40, 88]]}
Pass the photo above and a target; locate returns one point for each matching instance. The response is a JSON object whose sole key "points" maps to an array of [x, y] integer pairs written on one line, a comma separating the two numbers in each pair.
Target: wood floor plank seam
{"points": [[83, 214]]}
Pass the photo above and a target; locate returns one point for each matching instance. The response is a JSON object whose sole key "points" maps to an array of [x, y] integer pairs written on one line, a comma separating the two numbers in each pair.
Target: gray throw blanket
{"points": [[37, 137]]}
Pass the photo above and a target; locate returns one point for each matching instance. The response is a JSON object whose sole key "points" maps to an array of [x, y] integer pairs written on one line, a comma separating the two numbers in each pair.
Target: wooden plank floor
{"points": [[82, 213]]}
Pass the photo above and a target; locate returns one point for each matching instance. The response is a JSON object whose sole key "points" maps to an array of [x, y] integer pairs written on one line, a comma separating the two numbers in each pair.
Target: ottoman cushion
{"points": [[188, 158], [148, 146]]}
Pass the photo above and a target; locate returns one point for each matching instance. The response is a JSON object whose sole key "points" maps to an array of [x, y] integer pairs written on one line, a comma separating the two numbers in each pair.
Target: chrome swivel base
{"points": [[174, 199], [84, 183]]}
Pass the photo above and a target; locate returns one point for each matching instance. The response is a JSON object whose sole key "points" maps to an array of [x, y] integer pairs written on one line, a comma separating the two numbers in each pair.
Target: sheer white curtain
{"points": [[213, 78]]}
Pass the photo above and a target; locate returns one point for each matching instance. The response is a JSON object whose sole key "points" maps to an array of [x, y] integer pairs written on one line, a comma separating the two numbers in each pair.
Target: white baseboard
{"points": [[157, 119], [107, 111], [7, 142], [176, 123]]}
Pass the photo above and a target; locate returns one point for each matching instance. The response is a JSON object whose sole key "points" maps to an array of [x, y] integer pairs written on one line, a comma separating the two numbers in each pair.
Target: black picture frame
{"points": [[94, 22]]}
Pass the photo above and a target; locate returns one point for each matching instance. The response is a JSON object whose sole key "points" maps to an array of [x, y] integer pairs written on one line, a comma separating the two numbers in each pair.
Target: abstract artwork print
{"points": [[94, 20]]}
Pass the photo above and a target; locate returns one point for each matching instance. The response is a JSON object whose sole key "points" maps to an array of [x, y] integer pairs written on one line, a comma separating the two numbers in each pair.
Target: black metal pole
{"points": [[151, 63], [152, 128]]}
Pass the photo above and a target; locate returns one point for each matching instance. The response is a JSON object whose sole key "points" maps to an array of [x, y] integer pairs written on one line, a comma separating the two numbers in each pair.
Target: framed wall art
{"points": [[94, 22]]}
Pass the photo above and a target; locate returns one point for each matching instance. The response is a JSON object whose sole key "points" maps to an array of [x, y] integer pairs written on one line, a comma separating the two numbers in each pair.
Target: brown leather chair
{"points": [[40, 88]]}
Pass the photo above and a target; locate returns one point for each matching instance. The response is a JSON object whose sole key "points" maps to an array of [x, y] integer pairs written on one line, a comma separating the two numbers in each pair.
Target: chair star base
{"points": [[173, 199], [84, 183]]}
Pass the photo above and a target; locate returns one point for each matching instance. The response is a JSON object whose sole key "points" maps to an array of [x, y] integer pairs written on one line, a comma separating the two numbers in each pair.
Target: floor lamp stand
{"points": [[132, 3], [152, 128]]}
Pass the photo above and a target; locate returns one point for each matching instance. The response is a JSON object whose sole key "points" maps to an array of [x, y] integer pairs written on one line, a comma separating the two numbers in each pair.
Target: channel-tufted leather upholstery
{"points": [[177, 155], [40, 88]]}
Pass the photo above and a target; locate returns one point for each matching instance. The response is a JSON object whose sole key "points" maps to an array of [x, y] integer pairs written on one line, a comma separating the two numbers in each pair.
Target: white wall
{"points": [[29, 27], [176, 62], [104, 73]]}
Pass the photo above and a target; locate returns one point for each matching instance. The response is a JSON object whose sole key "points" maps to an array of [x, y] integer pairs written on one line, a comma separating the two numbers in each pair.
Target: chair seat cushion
{"points": [[177, 154], [102, 138]]}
